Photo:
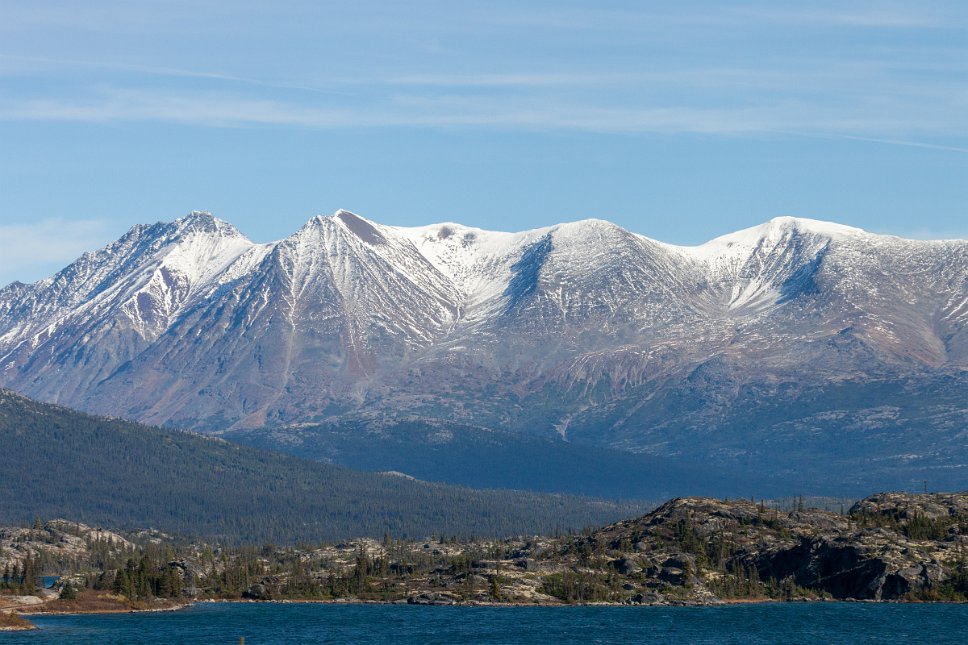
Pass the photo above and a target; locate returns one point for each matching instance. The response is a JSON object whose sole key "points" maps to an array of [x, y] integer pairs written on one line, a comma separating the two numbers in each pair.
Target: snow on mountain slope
{"points": [[756, 268], [190, 322], [557, 276], [478, 263], [150, 273], [339, 301], [79, 326]]}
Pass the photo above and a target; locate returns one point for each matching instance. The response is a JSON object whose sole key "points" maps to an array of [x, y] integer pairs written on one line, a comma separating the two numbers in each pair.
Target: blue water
{"points": [[311, 623]]}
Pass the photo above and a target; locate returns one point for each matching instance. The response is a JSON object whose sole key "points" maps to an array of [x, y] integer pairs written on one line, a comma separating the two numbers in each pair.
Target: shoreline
{"points": [[34, 614], [509, 605], [13, 621]]}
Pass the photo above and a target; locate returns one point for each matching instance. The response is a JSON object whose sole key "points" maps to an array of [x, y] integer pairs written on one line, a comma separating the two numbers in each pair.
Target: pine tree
{"points": [[118, 585], [68, 592]]}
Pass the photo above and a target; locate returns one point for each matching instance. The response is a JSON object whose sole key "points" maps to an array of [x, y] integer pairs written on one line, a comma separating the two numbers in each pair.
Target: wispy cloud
{"points": [[845, 14], [30, 251], [889, 142], [899, 124], [849, 15], [16, 64], [683, 71]]}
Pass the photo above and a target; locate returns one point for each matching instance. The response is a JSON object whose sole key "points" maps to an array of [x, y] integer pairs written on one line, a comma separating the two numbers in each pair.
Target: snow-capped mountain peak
{"points": [[347, 310], [778, 230]]}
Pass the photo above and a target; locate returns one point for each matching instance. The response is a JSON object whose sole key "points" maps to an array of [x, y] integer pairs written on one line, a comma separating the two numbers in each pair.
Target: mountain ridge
{"points": [[582, 331]]}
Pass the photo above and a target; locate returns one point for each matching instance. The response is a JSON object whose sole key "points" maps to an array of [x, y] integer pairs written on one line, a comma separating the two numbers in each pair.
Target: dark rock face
{"points": [[675, 577], [626, 566], [257, 591], [432, 598], [842, 570], [892, 546]]}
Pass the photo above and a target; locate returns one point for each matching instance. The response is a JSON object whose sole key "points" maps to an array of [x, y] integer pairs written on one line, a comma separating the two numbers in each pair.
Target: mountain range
{"points": [[833, 359]]}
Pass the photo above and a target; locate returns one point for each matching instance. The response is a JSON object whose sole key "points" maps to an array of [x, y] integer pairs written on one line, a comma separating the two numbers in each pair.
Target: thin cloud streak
{"points": [[890, 142], [717, 15], [812, 71], [59, 64], [527, 113], [874, 17]]}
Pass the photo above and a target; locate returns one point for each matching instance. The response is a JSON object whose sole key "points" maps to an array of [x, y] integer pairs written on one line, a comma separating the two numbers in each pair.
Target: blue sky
{"points": [[681, 121]]}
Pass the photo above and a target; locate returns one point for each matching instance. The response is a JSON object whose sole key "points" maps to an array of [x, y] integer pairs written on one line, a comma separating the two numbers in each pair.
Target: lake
{"points": [[335, 623]]}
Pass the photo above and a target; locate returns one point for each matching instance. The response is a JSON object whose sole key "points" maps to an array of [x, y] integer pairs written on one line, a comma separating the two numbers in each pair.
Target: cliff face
{"points": [[889, 546]]}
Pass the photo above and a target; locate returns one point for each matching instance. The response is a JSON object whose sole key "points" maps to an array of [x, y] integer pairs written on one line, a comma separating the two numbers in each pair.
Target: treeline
{"points": [[60, 463], [916, 527], [688, 550], [468, 570]]}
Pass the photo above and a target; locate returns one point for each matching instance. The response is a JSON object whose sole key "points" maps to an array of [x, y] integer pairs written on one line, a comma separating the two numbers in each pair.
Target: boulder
{"points": [[435, 598], [258, 591], [626, 566]]}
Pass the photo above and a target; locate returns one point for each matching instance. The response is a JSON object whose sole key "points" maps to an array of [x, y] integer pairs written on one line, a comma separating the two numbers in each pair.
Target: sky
{"points": [[677, 120]]}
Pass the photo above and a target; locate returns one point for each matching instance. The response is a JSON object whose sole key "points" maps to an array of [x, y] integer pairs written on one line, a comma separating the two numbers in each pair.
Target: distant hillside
{"points": [[478, 457], [57, 462]]}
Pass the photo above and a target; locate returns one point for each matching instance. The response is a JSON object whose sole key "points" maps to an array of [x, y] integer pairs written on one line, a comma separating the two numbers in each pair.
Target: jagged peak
{"points": [[314, 222], [363, 228], [198, 216], [345, 221], [16, 285], [315, 226], [203, 222], [194, 222]]}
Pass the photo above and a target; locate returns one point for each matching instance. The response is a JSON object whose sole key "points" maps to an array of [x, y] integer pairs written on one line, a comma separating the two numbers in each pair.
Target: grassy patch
{"points": [[90, 601], [14, 621]]}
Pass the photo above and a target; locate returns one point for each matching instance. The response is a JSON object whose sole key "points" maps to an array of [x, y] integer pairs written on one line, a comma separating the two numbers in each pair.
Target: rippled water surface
{"points": [[326, 623]]}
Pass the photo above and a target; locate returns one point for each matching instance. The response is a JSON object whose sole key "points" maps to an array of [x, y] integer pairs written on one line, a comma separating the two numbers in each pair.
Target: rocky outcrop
{"points": [[61, 542], [845, 570], [690, 550], [905, 509], [433, 598], [258, 591], [890, 546]]}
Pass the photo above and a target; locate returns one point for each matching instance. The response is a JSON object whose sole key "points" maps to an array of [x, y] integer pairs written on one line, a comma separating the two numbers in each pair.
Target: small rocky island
{"points": [[890, 546]]}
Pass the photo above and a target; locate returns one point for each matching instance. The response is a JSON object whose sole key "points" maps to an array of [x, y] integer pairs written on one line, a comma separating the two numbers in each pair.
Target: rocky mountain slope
{"points": [[761, 348]]}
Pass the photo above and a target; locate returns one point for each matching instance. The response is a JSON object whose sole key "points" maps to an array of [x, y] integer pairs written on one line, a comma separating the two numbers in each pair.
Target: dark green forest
{"points": [[60, 463], [485, 458]]}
